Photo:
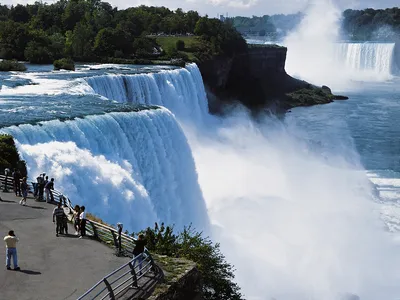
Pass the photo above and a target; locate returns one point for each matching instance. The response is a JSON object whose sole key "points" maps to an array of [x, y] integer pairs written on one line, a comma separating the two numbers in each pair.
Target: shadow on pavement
{"points": [[29, 272], [35, 207]]}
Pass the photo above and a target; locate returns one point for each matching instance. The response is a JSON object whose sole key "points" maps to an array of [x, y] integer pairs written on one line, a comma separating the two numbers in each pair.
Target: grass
{"points": [[169, 42]]}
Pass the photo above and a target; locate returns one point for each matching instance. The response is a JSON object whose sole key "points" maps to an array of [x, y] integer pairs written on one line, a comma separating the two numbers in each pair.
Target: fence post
{"points": [[96, 236], [110, 290], [134, 278], [153, 265]]}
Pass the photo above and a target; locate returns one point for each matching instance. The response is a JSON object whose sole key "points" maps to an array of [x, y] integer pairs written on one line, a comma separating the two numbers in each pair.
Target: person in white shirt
{"points": [[11, 250], [82, 218]]}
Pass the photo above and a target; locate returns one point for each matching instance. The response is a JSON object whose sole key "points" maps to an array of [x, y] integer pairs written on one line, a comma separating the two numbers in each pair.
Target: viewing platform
{"points": [[63, 267]]}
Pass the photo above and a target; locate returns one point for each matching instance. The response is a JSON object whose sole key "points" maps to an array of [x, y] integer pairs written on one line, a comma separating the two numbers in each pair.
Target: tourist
{"points": [[58, 214], [17, 177], [138, 251], [77, 212], [49, 187], [82, 218], [41, 186], [11, 250], [24, 188]]}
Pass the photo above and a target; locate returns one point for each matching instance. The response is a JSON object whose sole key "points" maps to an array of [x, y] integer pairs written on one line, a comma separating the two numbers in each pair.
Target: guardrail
{"points": [[125, 277]]}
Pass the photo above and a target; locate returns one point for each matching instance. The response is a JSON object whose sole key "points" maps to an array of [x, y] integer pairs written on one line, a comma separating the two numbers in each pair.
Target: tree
{"points": [[217, 273], [180, 45]]}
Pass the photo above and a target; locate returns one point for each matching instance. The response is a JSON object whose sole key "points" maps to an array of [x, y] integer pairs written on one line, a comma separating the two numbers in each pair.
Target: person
{"points": [[17, 177], [138, 251], [49, 186], [24, 188], [58, 214], [11, 250], [77, 212], [82, 218], [64, 224], [41, 184]]}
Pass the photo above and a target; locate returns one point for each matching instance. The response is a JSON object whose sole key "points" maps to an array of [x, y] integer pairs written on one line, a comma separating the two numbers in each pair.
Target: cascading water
{"points": [[179, 90], [131, 167], [376, 58], [297, 222]]}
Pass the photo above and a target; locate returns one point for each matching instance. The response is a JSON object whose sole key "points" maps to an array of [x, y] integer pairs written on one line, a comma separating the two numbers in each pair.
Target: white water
{"points": [[316, 54], [131, 167], [295, 223], [180, 90]]}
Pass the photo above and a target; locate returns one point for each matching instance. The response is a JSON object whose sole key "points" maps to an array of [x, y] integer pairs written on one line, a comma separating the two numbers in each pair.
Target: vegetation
{"points": [[273, 27], [91, 30], [372, 24], [217, 274], [64, 63], [9, 157], [11, 65]]}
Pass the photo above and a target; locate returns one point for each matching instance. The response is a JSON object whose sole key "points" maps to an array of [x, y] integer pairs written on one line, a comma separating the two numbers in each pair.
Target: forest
{"points": [[92, 30], [372, 24]]}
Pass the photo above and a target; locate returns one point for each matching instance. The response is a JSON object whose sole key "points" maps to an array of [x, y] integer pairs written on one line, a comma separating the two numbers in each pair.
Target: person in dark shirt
{"points": [[17, 177], [49, 187], [138, 252]]}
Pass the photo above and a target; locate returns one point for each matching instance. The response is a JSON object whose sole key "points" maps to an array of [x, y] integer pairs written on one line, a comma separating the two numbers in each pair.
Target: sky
{"points": [[239, 7]]}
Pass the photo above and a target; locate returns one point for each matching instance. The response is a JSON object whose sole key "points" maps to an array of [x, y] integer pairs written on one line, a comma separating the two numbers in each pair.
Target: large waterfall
{"points": [[181, 90], [132, 167], [377, 58]]}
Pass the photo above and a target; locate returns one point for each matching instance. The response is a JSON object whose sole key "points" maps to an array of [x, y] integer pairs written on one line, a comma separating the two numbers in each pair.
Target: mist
{"points": [[317, 54], [297, 224]]}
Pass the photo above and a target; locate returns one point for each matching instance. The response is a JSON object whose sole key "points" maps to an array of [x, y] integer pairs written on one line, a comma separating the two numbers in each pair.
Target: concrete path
{"points": [[52, 268]]}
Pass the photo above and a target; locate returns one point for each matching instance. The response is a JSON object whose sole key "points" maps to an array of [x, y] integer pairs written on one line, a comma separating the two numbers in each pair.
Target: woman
{"points": [[77, 212], [82, 218], [24, 189]]}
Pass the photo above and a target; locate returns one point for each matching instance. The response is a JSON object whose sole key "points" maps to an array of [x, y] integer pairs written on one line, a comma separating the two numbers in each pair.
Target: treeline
{"points": [[274, 27], [91, 30], [372, 24]]}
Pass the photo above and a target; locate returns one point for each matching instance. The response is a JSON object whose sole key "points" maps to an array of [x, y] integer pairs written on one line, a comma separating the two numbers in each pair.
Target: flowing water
{"points": [[305, 208]]}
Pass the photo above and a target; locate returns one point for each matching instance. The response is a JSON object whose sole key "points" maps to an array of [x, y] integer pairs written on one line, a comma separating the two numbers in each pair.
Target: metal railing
{"points": [[125, 277]]}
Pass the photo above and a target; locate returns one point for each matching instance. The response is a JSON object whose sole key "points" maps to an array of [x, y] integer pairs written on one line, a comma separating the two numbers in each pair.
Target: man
{"points": [[49, 187], [58, 214], [138, 252], [11, 250], [17, 177]]}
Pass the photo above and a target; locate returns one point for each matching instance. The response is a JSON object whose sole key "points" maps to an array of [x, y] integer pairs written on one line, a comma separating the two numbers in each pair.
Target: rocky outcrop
{"points": [[182, 280], [258, 79]]}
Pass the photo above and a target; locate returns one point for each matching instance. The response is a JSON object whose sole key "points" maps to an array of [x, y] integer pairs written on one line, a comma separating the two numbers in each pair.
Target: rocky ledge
{"points": [[258, 79]]}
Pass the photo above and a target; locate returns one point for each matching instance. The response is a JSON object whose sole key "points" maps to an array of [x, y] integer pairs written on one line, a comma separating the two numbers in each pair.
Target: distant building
{"points": [[222, 18]]}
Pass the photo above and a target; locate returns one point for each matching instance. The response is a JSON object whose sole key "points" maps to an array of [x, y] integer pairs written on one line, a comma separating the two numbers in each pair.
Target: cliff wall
{"points": [[258, 79]]}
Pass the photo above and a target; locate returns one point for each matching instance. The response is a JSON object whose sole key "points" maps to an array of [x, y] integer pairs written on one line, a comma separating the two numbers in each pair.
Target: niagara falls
{"points": [[254, 146]]}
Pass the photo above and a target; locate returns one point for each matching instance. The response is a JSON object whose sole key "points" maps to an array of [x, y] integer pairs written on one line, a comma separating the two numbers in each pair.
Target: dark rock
{"points": [[258, 79], [340, 97]]}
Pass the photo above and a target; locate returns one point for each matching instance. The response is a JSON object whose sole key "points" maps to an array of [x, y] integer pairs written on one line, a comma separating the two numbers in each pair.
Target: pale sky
{"points": [[240, 7]]}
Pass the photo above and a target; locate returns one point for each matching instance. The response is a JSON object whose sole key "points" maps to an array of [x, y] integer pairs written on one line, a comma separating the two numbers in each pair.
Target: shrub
{"points": [[9, 157], [217, 273], [64, 63], [11, 65], [180, 45]]}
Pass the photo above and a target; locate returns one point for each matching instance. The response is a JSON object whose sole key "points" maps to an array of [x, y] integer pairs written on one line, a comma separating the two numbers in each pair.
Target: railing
{"points": [[125, 277]]}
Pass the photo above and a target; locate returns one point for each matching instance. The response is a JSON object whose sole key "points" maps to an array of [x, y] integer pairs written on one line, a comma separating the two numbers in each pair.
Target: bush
{"points": [[64, 63], [9, 157], [180, 45], [217, 274], [11, 65]]}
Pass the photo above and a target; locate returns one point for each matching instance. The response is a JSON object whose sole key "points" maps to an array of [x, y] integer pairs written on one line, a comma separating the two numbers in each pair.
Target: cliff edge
{"points": [[257, 78]]}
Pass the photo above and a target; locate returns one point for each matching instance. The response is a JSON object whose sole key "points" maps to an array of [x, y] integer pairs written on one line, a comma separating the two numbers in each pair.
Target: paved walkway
{"points": [[51, 267]]}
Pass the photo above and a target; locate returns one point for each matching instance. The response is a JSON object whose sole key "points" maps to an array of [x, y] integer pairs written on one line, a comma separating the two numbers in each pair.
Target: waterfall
{"points": [[133, 167], [377, 58], [180, 90]]}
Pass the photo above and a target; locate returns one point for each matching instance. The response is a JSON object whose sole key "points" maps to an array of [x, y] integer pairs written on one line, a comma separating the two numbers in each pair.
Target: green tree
{"points": [[217, 273]]}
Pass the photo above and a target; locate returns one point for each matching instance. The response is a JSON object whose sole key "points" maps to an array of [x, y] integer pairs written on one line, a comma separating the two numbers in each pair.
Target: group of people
{"points": [[43, 186]]}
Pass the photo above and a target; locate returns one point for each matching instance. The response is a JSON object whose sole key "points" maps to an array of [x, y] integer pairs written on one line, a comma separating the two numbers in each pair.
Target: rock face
{"points": [[258, 79]]}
